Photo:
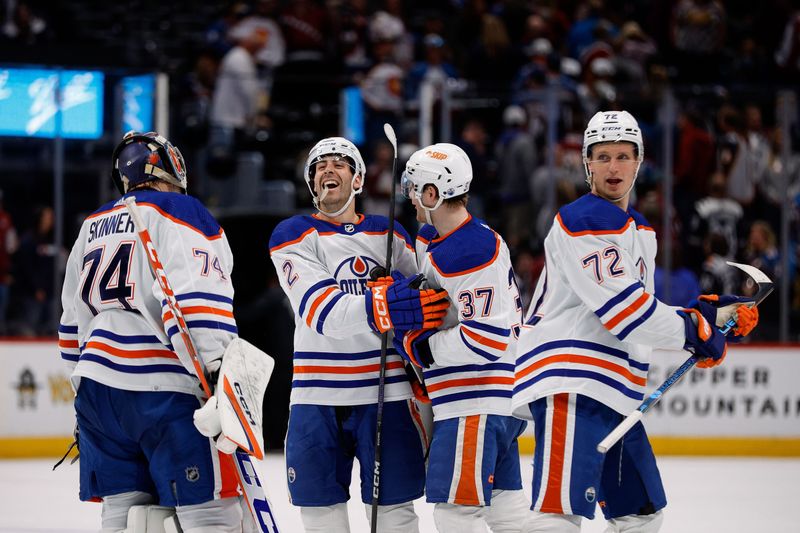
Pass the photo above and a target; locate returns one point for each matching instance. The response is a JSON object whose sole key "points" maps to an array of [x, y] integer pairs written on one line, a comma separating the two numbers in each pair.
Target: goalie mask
{"points": [[442, 165], [612, 126], [336, 147], [143, 157]]}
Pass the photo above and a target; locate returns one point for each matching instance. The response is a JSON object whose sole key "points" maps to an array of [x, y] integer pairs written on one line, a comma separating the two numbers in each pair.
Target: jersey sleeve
{"points": [[601, 272], [195, 254], [68, 344], [403, 255], [313, 292]]}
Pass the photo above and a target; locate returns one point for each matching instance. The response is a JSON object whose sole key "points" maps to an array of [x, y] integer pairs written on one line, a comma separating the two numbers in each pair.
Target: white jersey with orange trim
{"points": [[474, 351], [323, 268], [594, 319], [116, 327]]}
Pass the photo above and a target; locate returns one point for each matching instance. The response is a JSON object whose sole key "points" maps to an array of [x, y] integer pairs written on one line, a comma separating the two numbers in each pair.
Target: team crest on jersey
{"points": [[352, 273], [590, 494], [642, 270], [192, 473], [291, 475], [349, 228]]}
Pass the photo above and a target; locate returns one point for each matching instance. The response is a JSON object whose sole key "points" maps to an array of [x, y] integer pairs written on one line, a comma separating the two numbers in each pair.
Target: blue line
{"points": [[314, 288], [487, 328], [636, 323], [572, 373], [478, 351], [618, 298], [128, 369], [327, 309]]}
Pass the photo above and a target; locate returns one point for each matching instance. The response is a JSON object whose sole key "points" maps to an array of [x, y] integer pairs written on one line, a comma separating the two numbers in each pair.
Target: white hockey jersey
{"points": [[323, 268], [116, 327], [593, 318], [473, 353]]}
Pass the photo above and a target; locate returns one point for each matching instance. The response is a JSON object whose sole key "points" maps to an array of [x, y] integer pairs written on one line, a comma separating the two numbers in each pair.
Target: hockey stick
{"points": [[376, 470], [256, 498], [765, 287]]}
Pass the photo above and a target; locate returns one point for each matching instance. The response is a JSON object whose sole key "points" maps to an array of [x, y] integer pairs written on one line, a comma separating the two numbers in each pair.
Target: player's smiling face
{"points": [[613, 167], [335, 175]]}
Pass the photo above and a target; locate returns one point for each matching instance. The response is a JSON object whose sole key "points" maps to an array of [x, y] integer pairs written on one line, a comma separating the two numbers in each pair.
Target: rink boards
{"points": [[750, 405]]}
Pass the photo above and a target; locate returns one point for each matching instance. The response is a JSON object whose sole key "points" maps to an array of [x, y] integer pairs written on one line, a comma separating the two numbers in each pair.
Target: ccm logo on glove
{"points": [[380, 308]]}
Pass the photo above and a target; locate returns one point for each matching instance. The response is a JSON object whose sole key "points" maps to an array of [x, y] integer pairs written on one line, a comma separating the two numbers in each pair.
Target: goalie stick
{"points": [[254, 494], [765, 287]]}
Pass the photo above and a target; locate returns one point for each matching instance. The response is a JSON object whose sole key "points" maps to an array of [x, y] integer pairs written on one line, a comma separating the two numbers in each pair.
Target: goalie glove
{"points": [[401, 305], [234, 413]]}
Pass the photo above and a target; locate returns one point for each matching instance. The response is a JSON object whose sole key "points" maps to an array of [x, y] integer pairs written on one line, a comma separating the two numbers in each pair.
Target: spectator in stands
{"points": [[24, 26], [517, 157], [475, 142], [216, 36], [683, 283], [236, 96], [715, 214], [634, 52], [382, 88], [762, 252], [716, 276], [736, 159], [273, 53], [695, 159], [8, 245], [306, 30], [698, 33], [787, 57], [597, 91], [381, 180], [34, 264], [350, 25], [434, 68]]}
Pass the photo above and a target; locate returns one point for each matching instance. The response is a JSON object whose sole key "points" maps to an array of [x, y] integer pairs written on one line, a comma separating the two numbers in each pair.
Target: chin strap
{"points": [[318, 201]]}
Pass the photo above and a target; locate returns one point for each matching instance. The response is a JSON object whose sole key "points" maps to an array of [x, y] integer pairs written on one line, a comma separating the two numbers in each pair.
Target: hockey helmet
{"points": [[142, 157], [335, 147], [612, 126], [443, 165]]}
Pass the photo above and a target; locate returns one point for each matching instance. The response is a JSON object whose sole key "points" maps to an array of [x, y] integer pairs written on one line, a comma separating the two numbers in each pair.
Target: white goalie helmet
{"points": [[612, 126], [336, 147], [442, 165]]}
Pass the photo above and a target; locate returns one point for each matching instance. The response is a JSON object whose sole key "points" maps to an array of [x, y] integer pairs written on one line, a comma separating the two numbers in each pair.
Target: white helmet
{"points": [[443, 165], [612, 126], [338, 147]]}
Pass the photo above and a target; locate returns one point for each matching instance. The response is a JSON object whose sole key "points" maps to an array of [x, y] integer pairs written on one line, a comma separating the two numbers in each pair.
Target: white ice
{"points": [[705, 495]]}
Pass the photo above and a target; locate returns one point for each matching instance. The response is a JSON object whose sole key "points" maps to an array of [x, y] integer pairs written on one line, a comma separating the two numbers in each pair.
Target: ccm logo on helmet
{"points": [[435, 155]]}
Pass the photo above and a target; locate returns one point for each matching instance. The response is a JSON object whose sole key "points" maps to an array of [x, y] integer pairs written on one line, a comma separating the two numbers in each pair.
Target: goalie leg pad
{"points": [[217, 516], [328, 519], [399, 518], [637, 523], [114, 515]]}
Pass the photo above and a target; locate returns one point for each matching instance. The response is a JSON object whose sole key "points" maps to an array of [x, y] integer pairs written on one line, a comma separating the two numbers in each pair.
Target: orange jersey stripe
{"points": [[130, 354], [68, 344], [619, 231], [484, 340], [552, 496], [467, 382], [585, 360], [305, 234], [466, 491], [622, 315], [317, 303], [320, 369]]}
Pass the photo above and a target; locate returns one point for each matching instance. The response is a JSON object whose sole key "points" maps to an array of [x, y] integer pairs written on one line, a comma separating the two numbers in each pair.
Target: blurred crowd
{"points": [[525, 77]]}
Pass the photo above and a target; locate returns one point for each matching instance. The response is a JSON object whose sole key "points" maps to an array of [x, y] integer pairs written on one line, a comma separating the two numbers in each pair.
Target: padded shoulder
{"points": [[181, 208], [641, 221], [471, 247], [592, 214], [427, 233], [293, 229], [380, 223]]}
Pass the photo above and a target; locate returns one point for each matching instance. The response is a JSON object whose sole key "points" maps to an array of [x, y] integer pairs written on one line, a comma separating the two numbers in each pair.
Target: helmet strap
{"points": [[324, 193]]}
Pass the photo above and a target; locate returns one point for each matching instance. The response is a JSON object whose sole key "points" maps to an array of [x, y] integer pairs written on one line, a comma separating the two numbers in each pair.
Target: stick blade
{"points": [[765, 285], [389, 131]]}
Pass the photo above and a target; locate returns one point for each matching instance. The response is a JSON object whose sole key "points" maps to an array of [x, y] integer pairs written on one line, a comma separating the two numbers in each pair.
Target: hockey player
{"points": [[584, 351], [136, 392], [323, 263], [473, 470]]}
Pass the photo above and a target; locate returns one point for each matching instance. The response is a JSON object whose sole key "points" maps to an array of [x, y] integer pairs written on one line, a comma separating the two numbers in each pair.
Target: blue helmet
{"points": [[142, 157]]}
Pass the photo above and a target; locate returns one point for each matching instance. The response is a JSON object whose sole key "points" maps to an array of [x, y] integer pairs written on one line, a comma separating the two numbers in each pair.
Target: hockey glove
{"points": [[401, 306], [413, 346], [727, 305], [703, 339]]}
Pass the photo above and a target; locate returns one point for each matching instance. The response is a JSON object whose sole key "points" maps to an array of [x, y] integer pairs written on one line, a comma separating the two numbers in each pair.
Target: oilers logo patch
{"points": [[291, 475], [590, 494], [352, 273], [192, 473], [349, 228]]}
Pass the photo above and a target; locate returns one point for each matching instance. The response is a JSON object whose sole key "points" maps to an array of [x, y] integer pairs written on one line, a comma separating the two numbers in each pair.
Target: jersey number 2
{"points": [[113, 283]]}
